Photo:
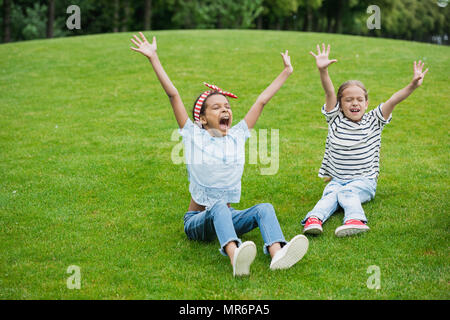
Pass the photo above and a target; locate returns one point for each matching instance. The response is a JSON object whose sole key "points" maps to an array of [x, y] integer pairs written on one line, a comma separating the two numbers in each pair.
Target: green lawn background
{"points": [[86, 176]]}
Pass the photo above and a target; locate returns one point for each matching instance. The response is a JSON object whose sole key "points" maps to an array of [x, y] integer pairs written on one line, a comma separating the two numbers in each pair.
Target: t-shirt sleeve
{"points": [[329, 115], [378, 114], [241, 129], [188, 128]]}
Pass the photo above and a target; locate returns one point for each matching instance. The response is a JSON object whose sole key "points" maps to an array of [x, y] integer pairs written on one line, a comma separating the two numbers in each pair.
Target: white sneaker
{"points": [[243, 258], [291, 253]]}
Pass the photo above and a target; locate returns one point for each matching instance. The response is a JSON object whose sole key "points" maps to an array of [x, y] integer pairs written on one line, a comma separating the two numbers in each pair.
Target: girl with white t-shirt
{"points": [[215, 157]]}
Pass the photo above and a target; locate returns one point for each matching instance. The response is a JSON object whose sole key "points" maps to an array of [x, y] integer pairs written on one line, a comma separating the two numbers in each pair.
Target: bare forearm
{"points": [[149, 50], [402, 94], [172, 92], [328, 87], [163, 78], [255, 111], [396, 98], [323, 62], [273, 88]]}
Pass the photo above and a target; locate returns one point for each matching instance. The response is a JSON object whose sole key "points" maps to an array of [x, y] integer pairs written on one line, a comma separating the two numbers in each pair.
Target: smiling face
{"points": [[218, 116], [354, 102]]}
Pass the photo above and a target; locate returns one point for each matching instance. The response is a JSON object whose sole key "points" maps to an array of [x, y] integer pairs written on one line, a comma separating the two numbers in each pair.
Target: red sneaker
{"points": [[351, 227], [313, 226]]}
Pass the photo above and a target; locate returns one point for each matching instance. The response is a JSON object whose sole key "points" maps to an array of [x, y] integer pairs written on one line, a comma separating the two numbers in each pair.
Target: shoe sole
{"points": [[345, 231], [298, 247], [244, 258], [313, 229]]}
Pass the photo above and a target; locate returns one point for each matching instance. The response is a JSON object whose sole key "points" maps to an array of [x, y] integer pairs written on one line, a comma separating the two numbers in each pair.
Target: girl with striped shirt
{"points": [[352, 148]]}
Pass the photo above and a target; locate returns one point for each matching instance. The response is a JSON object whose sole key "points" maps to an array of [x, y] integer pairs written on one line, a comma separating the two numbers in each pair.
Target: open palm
{"points": [[143, 46], [287, 61], [418, 74], [322, 59]]}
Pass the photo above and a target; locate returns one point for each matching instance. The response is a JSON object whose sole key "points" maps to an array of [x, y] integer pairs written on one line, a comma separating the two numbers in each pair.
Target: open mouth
{"points": [[224, 122], [355, 110]]}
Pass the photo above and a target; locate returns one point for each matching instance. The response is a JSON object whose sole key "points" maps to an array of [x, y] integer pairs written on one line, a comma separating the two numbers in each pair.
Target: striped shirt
{"points": [[352, 149]]}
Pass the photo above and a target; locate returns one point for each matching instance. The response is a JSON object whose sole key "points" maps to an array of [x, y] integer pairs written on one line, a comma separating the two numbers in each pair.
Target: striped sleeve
{"points": [[378, 114], [330, 115]]}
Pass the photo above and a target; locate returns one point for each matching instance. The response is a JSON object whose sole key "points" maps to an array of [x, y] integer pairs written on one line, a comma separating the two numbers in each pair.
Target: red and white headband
{"points": [[204, 95]]}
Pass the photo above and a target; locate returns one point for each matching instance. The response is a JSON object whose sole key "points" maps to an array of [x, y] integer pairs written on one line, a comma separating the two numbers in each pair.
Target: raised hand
{"points": [[255, 111], [418, 74], [149, 50], [143, 46], [287, 61], [322, 59], [404, 93]]}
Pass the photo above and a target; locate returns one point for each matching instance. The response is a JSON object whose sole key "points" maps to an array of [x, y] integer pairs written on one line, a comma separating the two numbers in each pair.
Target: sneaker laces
{"points": [[354, 221], [313, 220]]}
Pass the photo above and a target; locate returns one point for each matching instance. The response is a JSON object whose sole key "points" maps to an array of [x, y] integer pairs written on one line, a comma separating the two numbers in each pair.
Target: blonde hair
{"points": [[351, 83]]}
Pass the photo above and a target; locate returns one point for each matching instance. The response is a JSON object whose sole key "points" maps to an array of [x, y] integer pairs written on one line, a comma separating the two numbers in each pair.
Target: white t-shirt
{"points": [[215, 164], [352, 149]]}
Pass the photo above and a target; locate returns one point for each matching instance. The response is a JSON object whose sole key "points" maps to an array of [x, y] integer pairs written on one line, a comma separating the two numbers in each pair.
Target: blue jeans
{"points": [[228, 223], [349, 194]]}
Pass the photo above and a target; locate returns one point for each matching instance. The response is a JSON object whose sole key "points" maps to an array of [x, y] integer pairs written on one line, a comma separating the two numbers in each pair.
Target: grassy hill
{"points": [[86, 176]]}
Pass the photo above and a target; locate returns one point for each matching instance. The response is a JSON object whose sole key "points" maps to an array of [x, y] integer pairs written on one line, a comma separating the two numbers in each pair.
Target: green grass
{"points": [[86, 176]]}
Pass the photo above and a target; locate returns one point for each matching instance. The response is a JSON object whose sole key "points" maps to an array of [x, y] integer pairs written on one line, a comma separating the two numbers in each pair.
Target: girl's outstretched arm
{"points": [[149, 50], [322, 62], [404, 93], [255, 111]]}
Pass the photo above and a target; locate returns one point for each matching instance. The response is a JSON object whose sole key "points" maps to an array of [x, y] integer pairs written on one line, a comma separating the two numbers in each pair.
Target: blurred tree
{"points": [[34, 21], [6, 20], [148, 15], [202, 14], [310, 6], [236, 14], [277, 13], [127, 11], [116, 16], [405, 19], [415, 20], [50, 18]]}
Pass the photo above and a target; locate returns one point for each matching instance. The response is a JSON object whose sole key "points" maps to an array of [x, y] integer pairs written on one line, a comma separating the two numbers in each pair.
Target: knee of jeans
{"points": [[265, 209], [218, 208], [328, 192], [346, 194]]}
